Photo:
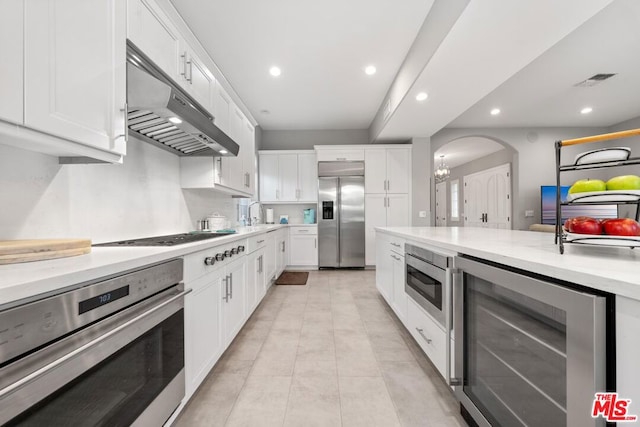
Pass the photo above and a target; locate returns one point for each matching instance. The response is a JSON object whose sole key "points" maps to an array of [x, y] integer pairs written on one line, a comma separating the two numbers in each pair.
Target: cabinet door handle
{"points": [[277, 194], [385, 202], [315, 243], [226, 288], [231, 285], [190, 72], [125, 135], [388, 202], [421, 332], [388, 185], [184, 65]]}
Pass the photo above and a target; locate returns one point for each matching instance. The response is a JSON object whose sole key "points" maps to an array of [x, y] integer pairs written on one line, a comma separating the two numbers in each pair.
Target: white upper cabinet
{"points": [[288, 165], [197, 79], [307, 178], [223, 107], [387, 170], [249, 157], [269, 179], [74, 71], [152, 32], [11, 60], [288, 176]]}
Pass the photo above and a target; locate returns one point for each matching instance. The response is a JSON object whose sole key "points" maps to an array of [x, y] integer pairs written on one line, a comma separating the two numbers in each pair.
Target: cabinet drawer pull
{"points": [[341, 158], [260, 241], [396, 245], [421, 332]]}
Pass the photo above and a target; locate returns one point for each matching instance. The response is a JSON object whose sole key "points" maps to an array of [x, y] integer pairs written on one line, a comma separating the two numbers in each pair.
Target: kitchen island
{"points": [[531, 261]]}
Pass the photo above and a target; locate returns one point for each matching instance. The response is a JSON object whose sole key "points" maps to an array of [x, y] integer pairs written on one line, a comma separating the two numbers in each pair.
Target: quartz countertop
{"points": [[39, 278], [610, 269]]}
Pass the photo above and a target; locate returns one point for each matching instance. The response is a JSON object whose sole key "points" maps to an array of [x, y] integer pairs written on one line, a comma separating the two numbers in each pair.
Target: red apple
{"points": [[621, 227], [583, 225]]}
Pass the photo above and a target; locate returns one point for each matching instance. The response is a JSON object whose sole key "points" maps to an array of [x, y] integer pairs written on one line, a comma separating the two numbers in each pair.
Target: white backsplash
{"points": [[142, 197], [295, 212]]}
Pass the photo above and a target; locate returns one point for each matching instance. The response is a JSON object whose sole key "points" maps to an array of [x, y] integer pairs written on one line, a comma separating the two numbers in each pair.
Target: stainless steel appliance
{"points": [[428, 282], [169, 240], [109, 352], [161, 113], [340, 214], [529, 351]]}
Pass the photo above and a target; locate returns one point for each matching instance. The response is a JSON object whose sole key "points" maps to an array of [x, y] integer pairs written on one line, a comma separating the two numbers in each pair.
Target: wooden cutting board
{"points": [[14, 251]]}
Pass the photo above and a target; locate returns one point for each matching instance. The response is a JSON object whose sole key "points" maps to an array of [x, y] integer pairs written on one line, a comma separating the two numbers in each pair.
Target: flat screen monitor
{"points": [[548, 208]]}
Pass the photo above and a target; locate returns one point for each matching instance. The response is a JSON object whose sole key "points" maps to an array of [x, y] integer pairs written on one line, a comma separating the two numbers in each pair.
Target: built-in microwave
{"points": [[426, 280]]}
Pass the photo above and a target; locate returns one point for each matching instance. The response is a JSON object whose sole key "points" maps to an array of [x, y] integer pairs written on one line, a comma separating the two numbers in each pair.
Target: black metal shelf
{"points": [[560, 236]]}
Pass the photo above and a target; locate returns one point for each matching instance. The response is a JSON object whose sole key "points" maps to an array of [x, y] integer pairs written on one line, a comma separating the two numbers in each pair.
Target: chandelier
{"points": [[442, 172]]}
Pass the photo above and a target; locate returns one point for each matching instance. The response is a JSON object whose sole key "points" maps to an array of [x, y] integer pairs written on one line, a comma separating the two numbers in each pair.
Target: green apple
{"points": [[584, 185], [624, 182]]}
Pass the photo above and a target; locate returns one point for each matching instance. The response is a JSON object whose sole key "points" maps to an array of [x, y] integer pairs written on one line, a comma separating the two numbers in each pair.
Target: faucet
{"points": [[253, 220]]}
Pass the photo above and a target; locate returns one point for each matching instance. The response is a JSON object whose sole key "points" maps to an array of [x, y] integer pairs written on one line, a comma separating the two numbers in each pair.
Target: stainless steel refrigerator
{"points": [[341, 214]]}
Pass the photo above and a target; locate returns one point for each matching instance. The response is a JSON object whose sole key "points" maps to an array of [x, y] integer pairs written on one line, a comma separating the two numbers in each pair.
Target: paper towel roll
{"points": [[269, 216]]}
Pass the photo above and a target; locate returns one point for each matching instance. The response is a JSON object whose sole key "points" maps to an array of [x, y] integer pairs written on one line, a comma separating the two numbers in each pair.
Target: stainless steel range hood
{"points": [[160, 112]]}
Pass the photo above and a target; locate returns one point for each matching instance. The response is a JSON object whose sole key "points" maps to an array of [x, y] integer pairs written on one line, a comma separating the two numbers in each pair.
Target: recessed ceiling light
{"points": [[422, 96], [175, 120], [265, 111], [495, 111], [586, 110], [370, 70], [275, 71], [223, 151]]}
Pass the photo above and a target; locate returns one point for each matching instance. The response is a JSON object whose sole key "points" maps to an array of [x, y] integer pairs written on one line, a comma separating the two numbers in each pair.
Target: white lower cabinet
{"points": [[390, 273], [429, 335], [303, 244], [282, 259], [384, 268], [399, 296], [223, 297], [271, 255], [255, 279], [203, 332], [234, 311]]}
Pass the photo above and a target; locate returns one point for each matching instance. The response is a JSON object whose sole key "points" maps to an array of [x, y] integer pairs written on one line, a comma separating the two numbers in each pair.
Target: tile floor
{"points": [[331, 353]]}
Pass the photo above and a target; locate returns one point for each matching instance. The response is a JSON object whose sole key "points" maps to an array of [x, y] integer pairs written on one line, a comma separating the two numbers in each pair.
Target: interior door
{"points": [[499, 198], [351, 217], [441, 204], [474, 200], [328, 255]]}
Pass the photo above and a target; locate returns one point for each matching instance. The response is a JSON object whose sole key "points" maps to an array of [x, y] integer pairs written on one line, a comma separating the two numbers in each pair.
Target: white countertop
{"points": [[25, 280], [610, 269]]}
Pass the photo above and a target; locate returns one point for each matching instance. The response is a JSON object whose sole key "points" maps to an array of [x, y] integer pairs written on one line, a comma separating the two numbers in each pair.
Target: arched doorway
{"points": [[475, 183]]}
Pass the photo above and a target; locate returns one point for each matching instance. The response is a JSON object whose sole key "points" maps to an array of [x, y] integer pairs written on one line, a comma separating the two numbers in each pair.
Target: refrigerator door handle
{"points": [[338, 219]]}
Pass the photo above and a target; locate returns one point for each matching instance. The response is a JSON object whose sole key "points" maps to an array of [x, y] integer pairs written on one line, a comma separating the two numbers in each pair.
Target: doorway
{"points": [[487, 198]]}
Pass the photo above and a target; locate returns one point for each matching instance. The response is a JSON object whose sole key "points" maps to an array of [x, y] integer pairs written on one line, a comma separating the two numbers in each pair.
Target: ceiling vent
{"points": [[594, 80]]}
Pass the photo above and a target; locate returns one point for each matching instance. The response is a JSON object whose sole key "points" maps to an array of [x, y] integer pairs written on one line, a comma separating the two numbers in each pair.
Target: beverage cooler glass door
{"points": [[532, 353]]}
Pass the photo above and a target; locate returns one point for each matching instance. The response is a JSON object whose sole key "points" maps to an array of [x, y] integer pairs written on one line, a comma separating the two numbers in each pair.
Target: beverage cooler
{"points": [[530, 351]]}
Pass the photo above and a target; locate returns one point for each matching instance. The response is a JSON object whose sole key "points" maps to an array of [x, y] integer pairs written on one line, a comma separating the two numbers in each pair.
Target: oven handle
{"points": [[36, 374]]}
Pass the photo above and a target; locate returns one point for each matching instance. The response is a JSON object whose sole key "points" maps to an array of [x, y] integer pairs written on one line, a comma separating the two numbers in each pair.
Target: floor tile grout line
{"points": [[244, 383], [335, 353]]}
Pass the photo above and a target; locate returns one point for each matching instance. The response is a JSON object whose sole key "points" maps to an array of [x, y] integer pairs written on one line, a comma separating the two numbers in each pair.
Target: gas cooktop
{"points": [[170, 240]]}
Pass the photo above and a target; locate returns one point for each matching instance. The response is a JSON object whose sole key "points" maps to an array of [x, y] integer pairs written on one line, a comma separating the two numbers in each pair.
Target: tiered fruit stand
{"points": [[595, 198]]}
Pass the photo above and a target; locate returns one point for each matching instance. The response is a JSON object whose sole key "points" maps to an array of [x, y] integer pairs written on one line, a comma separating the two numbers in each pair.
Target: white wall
{"points": [[142, 197], [306, 139], [295, 212], [421, 179]]}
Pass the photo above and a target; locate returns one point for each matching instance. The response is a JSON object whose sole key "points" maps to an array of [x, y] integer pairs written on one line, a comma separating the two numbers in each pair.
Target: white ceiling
{"points": [[322, 49], [543, 93], [464, 150], [491, 41]]}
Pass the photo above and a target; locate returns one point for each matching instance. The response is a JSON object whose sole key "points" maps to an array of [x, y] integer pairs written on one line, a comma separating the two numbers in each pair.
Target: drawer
{"points": [[396, 244], [303, 230], [256, 242], [340, 155], [194, 264], [430, 337]]}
